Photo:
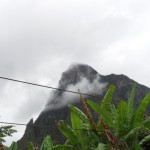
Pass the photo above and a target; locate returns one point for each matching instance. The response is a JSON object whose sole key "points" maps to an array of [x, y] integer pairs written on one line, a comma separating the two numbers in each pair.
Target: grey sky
{"points": [[39, 39]]}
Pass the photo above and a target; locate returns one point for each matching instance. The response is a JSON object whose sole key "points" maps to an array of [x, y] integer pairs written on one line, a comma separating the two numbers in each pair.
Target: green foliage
{"points": [[47, 143], [6, 131], [80, 115], [146, 122], [145, 139], [131, 102], [13, 146], [139, 114], [102, 146], [61, 147], [124, 120], [68, 132], [30, 146], [108, 98], [80, 134], [105, 115]]}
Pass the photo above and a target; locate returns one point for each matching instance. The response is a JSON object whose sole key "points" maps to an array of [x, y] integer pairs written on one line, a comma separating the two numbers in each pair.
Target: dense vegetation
{"points": [[5, 131], [118, 127]]}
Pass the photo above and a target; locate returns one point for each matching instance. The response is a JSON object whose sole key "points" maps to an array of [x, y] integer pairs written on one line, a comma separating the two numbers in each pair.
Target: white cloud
{"points": [[84, 85]]}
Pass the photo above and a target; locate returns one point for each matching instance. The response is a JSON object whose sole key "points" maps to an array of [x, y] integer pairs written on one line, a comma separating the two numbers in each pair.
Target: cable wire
{"points": [[49, 87], [28, 125], [54, 88]]}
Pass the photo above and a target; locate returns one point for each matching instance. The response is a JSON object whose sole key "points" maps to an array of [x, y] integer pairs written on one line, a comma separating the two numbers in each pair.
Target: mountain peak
{"points": [[77, 76], [75, 73]]}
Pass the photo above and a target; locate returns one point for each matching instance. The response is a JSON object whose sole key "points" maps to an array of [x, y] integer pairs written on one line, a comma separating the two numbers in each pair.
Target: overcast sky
{"points": [[39, 39]]}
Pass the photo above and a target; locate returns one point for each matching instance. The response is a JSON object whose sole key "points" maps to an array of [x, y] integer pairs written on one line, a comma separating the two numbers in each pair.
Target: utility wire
{"points": [[54, 88], [49, 87], [28, 125]]}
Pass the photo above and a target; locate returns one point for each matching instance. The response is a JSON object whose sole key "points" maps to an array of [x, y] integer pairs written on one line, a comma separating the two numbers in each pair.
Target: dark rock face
{"points": [[48, 119]]}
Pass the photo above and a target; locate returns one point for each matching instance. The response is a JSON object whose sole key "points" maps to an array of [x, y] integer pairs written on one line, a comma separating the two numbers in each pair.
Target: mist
{"points": [[87, 82]]}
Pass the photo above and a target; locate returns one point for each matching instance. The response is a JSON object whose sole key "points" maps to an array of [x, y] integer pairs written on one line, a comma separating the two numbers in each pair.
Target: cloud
{"points": [[85, 86], [96, 87]]}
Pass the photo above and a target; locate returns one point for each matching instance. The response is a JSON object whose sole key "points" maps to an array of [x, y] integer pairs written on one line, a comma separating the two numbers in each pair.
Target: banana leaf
{"points": [[68, 132], [62, 147], [139, 115], [79, 131], [30, 146], [108, 98], [105, 115], [13, 146], [147, 138], [122, 120], [47, 143]]}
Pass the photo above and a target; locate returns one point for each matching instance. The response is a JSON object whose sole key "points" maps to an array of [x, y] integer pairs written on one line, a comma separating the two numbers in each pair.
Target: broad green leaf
{"points": [[133, 133], [139, 115], [30, 146], [62, 147], [47, 143], [108, 98], [122, 122], [136, 146], [102, 146], [131, 101], [146, 123], [68, 132], [113, 111], [13, 146], [105, 115], [82, 116], [67, 142], [79, 113], [76, 122], [79, 131], [147, 138]]}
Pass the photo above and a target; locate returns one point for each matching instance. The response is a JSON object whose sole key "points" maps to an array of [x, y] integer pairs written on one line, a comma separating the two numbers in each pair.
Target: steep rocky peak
{"points": [[75, 73]]}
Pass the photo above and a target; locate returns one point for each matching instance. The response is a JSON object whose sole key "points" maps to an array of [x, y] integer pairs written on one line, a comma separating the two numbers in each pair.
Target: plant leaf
{"points": [[122, 122], [131, 101], [67, 132], [47, 143], [102, 146], [30, 146], [113, 111], [147, 138], [79, 131], [13, 146], [133, 133], [79, 113], [105, 115], [61, 147], [139, 115], [108, 98], [146, 123]]}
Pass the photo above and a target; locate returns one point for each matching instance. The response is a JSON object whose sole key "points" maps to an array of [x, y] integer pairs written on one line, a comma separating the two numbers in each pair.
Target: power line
{"points": [[54, 88], [28, 125], [49, 87]]}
